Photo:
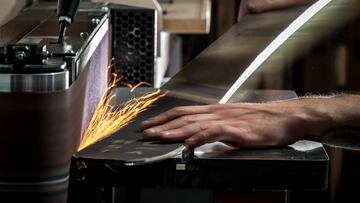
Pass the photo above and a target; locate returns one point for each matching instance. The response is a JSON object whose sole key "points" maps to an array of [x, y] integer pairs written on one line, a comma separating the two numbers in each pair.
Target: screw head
{"points": [[105, 8], [95, 21], [84, 34], [20, 55]]}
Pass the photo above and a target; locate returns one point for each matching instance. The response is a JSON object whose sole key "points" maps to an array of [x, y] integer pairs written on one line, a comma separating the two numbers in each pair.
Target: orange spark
{"points": [[108, 119]]}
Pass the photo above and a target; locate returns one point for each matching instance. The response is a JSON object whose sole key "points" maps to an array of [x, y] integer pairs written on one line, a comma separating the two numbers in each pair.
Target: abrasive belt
{"points": [[39, 132]]}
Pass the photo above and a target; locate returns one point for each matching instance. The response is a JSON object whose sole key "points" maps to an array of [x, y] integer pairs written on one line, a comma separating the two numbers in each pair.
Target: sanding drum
{"points": [[48, 93]]}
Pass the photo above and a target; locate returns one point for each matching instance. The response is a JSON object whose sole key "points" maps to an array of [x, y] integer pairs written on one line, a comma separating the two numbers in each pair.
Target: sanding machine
{"points": [[51, 81], [53, 72]]}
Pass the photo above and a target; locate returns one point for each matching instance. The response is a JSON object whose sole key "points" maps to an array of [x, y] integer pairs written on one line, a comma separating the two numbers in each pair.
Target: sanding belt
{"points": [[41, 131]]}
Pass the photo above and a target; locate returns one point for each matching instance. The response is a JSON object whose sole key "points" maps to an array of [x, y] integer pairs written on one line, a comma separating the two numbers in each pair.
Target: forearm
{"points": [[327, 114]]}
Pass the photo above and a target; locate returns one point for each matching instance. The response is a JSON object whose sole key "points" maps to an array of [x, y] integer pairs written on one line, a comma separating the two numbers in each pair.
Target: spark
{"points": [[108, 119]]}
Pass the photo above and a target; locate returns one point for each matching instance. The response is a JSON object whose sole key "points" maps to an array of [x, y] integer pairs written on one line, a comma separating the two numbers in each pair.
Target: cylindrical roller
{"points": [[67, 8]]}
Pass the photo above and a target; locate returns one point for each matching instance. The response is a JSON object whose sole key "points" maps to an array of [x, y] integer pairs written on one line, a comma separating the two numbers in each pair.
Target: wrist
{"points": [[324, 114], [317, 116]]}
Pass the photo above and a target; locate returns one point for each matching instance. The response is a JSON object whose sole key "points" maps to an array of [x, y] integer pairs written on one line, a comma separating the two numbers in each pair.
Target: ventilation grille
{"points": [[134, 41]]}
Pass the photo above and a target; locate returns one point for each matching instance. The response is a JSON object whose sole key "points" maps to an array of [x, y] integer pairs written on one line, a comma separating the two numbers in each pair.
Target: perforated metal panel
{"points": [[134, 43]]}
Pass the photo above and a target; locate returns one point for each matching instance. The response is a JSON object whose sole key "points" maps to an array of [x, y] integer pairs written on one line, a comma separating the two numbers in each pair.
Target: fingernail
{"points": [[145, 122], [150, 131], [165, 133]]}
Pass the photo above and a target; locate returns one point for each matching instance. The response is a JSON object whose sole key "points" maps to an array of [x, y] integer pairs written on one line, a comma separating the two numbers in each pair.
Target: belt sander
{"points": [[52, 77]]}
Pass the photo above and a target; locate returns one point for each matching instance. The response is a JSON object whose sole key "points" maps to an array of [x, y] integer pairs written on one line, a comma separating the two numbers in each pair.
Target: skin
{"points": [[246, 125], [263, 125]]}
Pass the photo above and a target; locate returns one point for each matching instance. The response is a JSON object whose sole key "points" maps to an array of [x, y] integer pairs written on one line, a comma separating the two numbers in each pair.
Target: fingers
{"points": [[180, 122], [174, 113], [179, 134], [240, 125]]}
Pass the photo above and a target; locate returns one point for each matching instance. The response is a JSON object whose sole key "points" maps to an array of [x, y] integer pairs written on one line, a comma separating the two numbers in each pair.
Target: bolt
{"points": [[45, 53], [84, 34], [20, 55], [95, 21], [104, 8]]}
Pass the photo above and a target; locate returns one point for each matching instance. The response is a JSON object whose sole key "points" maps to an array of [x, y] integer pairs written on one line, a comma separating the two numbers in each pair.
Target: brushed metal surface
{"points": [[210, 75], [215, 70]]}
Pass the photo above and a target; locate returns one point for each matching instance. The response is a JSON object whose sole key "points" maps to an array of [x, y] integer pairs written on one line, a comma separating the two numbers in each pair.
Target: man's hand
{"points": [[259, 6], [247, 125]]}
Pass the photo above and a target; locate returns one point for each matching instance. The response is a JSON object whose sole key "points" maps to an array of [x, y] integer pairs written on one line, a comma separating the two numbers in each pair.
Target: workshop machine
{"points": [[52, 78], [232, 69], [50, 83]]}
